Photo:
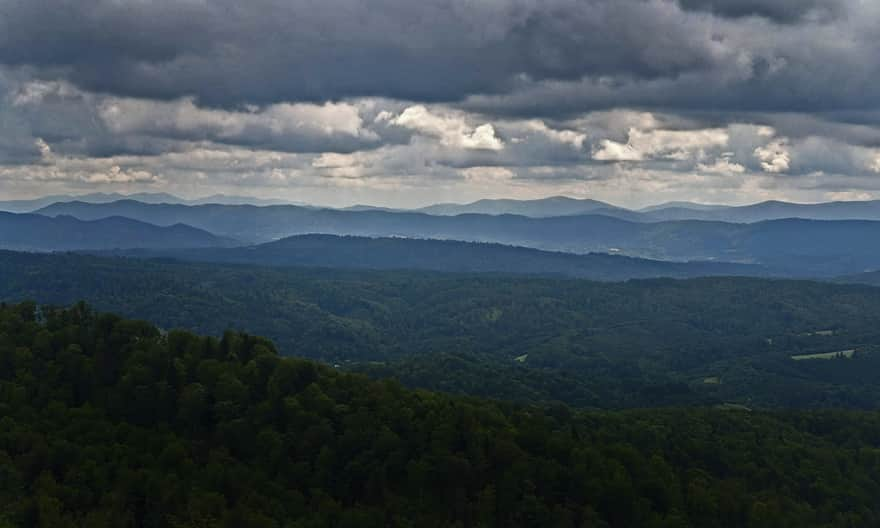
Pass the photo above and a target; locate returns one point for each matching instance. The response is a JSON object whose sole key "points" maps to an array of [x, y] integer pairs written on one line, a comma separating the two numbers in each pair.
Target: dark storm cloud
{"points": [[228, 52], [550, 58], [781, 11], [388, 95]]}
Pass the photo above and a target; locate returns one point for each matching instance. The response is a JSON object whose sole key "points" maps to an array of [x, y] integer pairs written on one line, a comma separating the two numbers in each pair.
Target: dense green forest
{"points": [[588, 344], [112, 422]]}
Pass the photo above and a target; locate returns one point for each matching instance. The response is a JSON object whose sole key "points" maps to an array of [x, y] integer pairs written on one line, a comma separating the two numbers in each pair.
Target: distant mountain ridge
{"points": [[333, 251], [802, 247], [28, 206], [758, 212], [540, 208], [31, 232], [537, 208], [774, 210], [684, 205]]}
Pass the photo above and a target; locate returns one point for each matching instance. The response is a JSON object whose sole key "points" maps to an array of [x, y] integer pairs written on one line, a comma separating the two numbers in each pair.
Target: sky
{"points": [[403, 103]]}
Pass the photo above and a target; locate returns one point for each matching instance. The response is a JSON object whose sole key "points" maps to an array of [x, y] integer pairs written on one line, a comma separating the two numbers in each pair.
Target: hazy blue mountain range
{"points": [[770, 210], [362, 207], [683, 205], [802, 247], [33, 232], [331, 251], [27, 206], [538, 208], [544, 207]]}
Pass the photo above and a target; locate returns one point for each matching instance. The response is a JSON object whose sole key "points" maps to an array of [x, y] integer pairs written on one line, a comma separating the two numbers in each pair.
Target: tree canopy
{"points": [[112, 422], [587, 344]]}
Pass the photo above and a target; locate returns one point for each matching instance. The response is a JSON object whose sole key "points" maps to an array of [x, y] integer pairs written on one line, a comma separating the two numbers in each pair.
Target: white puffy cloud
{"points": [[396, 153], [487, 174], [613, 151], [721, 165], [573, 138], [116, 174], [662, 144], [36, 91], [774, 156], [294, 127], [874, 164], [338, 165], [848, 196], [44, 148], [75, 172], [451, 129]]}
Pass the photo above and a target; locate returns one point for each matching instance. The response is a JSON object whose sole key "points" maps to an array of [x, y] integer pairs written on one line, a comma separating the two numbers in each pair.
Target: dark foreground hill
{"points": [[331, 251], [33, 232], [109, 422], [633, 344], [798, 247]]}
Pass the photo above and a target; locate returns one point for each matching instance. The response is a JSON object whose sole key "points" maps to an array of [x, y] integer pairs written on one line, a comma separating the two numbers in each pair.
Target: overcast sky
{"points": [[403, 103]]}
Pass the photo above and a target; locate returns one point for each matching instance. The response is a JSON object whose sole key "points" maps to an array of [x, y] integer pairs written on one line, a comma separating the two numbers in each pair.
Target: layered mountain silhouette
{"points": [[538, 208], [796, 246], [541, 208], [31, 232], [333, 251], [28, 206], [770, 210]]}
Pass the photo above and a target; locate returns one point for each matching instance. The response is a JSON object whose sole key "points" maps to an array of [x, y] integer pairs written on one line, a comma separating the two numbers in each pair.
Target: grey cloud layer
{"points": [[229, 53], [782, 11], [698, 99]]}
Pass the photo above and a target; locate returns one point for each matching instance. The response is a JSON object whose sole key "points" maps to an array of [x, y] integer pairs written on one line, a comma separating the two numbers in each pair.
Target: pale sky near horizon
{"points": [[401, 103]]}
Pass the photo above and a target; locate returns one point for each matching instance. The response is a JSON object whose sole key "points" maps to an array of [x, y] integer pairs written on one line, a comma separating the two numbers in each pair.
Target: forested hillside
{"points": [[110, 422], [639, 343], [31, 232], [346, 252]]}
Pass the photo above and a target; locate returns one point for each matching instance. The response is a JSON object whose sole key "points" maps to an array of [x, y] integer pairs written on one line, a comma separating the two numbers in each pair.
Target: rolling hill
{"points": [[331, 251], [32, 232], [637, 343]]}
